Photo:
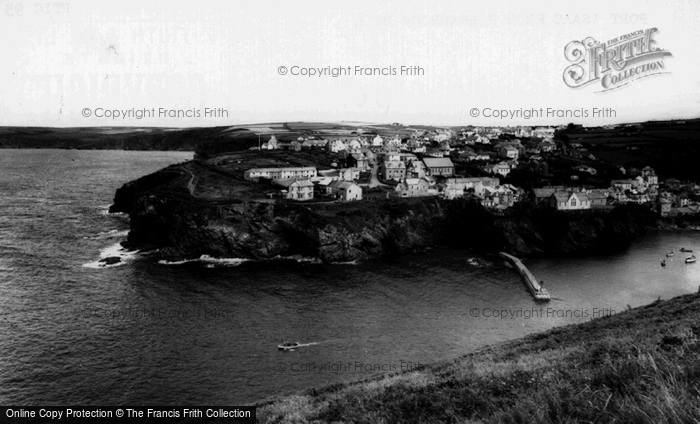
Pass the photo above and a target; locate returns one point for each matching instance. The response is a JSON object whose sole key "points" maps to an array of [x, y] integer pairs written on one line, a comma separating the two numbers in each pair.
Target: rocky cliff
{"points": [[165, 216]]}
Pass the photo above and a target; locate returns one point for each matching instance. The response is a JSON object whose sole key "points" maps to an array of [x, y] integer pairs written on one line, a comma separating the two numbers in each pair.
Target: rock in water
{"points": [[111, 260]]}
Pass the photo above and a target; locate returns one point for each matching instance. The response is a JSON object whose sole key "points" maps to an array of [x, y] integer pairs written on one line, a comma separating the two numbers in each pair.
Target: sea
{"points": [[206, 331]]}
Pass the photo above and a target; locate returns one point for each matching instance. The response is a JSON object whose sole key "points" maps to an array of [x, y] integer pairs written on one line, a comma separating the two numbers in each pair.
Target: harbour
{"points": [[344, 310]]}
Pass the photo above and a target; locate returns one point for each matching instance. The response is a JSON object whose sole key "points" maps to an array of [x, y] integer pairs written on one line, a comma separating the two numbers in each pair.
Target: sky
{"points": [[212, 63]]}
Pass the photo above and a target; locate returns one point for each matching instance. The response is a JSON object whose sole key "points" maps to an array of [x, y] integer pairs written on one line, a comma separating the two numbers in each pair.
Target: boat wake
{"points": [[308, 344], [290, 347]]}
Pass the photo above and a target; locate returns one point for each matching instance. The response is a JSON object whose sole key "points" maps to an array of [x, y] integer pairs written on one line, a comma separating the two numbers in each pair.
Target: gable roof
{"points": [[438, 162], [564, 196], [342, 184], [543, 192], [594, 195], [302, 183], [561, 196], [292, 182]]}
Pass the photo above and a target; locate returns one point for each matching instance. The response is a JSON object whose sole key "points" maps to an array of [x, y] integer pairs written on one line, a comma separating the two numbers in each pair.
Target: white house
{"points": [[500, 168], [543, 132], [413, 187], [272, 144], [395, 170], [622, 184], [297, 189], [346, 190], [416, 169], [334, 146], [650, 176], [509, 152], [354, 145]]}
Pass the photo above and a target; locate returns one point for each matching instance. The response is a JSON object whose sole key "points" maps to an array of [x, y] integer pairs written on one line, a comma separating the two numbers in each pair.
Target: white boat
{"points": [[288, 346], [690, 260], [541, 294], [669, 254]]}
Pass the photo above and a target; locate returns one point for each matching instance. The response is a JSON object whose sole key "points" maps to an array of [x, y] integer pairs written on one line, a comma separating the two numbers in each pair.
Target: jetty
{"points": [[538, 292]]}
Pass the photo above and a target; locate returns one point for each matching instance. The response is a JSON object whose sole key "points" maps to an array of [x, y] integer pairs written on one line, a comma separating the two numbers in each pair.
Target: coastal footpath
{"points": [[165, 215], [634, 366]]}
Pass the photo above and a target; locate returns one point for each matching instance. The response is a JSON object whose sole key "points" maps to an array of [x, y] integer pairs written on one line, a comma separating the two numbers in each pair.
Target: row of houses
{"points": [[485, 189], [303, 172]]}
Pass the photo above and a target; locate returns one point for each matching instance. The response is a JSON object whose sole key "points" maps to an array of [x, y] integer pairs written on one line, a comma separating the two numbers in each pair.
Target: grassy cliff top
{"points": [[641, 365]]}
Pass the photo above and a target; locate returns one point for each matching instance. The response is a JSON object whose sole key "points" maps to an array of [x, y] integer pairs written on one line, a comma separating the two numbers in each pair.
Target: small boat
{"points": [[288, 346], [690, 260], [669, 254], [663, 262], [683, 249]]}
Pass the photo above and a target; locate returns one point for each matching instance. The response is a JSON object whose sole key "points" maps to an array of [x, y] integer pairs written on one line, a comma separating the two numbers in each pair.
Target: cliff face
{"points": [[164, 216], [265, 230], [529, 231]]}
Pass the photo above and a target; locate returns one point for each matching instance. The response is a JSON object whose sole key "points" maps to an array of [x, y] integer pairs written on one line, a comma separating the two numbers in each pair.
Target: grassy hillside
{"points": [[637, 366], [670, 147]]}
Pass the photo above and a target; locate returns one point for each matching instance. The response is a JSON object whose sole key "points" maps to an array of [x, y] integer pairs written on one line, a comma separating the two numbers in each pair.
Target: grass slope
{"points": [[639, 366]]}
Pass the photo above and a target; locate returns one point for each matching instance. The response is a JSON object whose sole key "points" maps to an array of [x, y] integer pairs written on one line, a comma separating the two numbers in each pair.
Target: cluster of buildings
{"points": [[415, 166], [306, 183], [670, 198], [423, 164]]}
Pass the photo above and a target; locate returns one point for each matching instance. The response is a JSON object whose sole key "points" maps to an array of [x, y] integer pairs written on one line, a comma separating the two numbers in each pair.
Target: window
{"points": [[573, 202]]}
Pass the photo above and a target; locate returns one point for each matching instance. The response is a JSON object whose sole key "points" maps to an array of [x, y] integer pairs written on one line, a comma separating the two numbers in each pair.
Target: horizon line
{"points": [[350, 123]]}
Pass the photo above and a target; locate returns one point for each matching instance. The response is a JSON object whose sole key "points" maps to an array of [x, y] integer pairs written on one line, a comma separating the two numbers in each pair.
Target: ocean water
{"points": [[206, 331]]}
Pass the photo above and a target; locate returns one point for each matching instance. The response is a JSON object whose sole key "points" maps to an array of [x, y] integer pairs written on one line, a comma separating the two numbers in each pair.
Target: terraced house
{"points": [[302, 172]]}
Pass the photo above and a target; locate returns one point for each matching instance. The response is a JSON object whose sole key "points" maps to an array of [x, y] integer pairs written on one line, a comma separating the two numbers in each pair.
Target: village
{"points": [[492, 165]]}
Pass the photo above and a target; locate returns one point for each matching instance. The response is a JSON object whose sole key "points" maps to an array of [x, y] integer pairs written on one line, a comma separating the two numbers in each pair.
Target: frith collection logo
{"points": [[616, 62]]}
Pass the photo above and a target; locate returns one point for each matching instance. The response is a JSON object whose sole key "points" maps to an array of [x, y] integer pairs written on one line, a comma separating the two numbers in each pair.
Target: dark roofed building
{"points": [[439, 166]]}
